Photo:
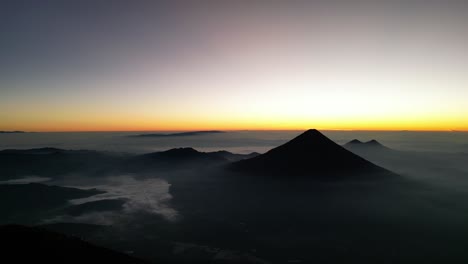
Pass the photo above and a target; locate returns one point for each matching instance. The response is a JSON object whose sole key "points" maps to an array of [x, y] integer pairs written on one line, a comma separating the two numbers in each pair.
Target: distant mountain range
{"points": [[11, 132], [309, 154], [181, 134], [43, 151]]}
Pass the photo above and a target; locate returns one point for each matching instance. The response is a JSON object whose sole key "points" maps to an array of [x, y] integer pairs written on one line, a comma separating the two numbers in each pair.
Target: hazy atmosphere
{"points": [[170, 65]]}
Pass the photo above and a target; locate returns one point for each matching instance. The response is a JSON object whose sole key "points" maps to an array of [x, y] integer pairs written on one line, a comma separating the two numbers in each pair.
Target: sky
{"points": [[195, 65]]}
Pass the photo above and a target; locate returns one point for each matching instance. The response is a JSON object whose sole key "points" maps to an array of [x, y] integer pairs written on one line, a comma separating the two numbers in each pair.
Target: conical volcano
{"points": [[309, 154]]}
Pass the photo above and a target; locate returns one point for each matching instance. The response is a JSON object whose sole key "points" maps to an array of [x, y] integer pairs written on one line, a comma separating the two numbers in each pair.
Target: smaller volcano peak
{"points": [[354, 143], [373, 142]]}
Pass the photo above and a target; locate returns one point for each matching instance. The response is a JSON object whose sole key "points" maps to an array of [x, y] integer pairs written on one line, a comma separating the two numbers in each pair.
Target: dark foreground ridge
{"points": [[309, 154], [21, 244], [182, 134]]}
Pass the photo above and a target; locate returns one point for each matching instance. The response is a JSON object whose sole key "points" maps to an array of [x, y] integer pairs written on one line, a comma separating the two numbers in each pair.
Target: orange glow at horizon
{"points": [[179, 124]]}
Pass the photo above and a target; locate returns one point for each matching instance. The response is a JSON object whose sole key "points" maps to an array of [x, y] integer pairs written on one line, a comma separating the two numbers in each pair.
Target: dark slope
{"points": [[180, 155], [21, 244], [81, 230], [173, 159], [233, 156], [189, 154], [309, 154], [57, 163]]}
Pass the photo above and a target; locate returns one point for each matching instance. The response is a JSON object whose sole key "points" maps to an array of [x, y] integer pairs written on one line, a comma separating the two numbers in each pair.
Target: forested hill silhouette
{"points": [[180, 154], [309, 154], [191, 154], [182, 158]]}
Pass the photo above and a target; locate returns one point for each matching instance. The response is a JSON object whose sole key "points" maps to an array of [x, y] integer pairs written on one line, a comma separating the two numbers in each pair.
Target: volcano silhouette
{"points": [[309, 154]]}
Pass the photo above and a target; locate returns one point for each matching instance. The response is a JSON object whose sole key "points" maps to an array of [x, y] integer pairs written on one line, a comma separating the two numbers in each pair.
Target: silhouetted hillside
{"points": [[182, 158], [21, 244], [73, 229], [309, 154], [36, 151], [233, 156], [57, 163], [180, 155], [173, 159]]}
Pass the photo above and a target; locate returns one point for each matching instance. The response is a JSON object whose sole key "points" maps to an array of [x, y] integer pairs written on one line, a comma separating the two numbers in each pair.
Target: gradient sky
{"points": [[131, 65]]}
